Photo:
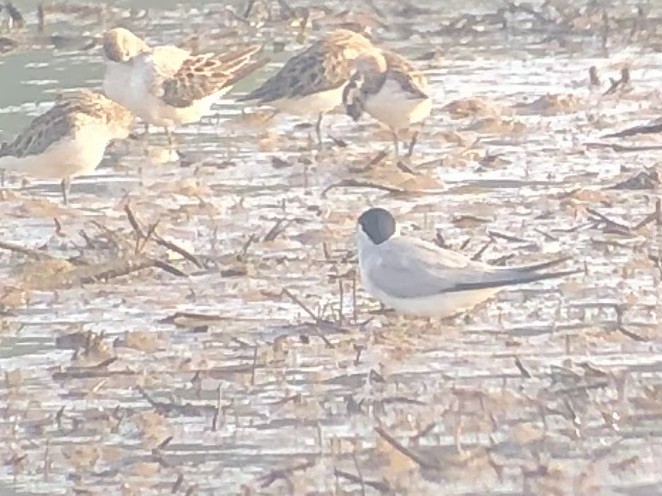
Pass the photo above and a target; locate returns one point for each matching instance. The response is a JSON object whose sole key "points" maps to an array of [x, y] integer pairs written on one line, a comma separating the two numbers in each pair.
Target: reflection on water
{"points": [[554, 389]]}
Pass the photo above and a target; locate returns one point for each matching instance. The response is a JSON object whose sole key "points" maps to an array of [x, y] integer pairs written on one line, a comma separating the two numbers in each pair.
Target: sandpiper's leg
{"points": [[318, 130], [396, 143], [412, 144], [146, 128], [66, 186], [171, 139]]}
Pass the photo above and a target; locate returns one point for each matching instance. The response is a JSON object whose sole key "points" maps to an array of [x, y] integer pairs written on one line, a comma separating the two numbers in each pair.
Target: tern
{"points": [[419, 278]]}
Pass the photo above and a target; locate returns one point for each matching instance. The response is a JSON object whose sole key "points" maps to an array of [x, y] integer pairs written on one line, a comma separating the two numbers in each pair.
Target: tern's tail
{"points": [[512, 277]]}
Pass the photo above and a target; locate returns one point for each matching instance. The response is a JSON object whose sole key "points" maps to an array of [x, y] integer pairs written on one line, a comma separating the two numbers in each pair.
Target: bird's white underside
{"points": [[440, 305], [129, 85], [117, 83], [65, 158], [395, 108], [312, 104]]}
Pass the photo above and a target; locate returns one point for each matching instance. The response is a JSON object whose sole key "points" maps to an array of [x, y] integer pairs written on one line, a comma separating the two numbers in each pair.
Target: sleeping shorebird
{"points": [[419, 278], [312, 82], [68, 140], [167, 86], [396, 97]]}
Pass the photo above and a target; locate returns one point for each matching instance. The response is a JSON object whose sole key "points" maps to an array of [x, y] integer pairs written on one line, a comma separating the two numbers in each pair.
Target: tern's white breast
{"points": [[441, 305]]}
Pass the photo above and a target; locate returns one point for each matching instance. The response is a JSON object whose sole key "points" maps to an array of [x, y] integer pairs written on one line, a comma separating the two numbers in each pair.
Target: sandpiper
{"points": [[312, 82], [165, 85], [68, 140], [396, 97]]}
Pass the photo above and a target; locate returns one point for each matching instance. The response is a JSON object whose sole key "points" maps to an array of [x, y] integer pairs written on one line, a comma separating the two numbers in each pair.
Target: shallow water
{"points": [[108, 387]]}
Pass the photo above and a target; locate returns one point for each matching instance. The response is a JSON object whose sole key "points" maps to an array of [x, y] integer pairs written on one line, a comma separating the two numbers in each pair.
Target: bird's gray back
{"points": [[409, 268]]}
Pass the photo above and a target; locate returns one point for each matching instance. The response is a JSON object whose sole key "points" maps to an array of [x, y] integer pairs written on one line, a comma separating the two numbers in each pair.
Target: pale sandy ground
{"points": [[256, 366]]}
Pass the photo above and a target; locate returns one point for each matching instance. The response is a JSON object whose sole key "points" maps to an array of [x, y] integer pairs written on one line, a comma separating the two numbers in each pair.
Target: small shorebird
{"points": [[312, 82], [68, 140], [167, 86], [395, 97], [420, 278]]}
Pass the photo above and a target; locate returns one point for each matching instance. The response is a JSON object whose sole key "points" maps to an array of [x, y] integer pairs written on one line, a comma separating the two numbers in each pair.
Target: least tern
{"points": [[166, 86], [419, 278], [396, 97], [312, 82], [68, 140]]}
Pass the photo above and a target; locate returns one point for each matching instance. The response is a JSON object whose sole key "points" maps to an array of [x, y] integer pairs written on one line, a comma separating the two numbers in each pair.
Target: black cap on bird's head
{"points": [[378, 224]]}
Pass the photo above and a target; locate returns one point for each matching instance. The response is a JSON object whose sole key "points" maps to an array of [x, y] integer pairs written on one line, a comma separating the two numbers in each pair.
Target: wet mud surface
{"points": [[192, 323]]}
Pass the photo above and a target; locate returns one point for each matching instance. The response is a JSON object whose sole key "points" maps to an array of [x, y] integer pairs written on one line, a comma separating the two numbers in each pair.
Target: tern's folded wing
{"points": [[413, 270]]}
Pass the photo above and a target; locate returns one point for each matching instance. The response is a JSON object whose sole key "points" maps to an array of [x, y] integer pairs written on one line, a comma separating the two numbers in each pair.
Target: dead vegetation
{"points": [[203, 330]]}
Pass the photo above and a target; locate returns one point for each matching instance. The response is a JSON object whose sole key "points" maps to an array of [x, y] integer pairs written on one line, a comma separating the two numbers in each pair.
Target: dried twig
{"points": [[507, 237], [58, 227], [134, 222], [179, 250], [525, 373], [624, 148], [303, 306], [274, 475], [254, 367], [358, 471], [622, 228], [382, 487], [619, 83], [36, 254], [547, 236], [217, 411], [426, 430], [89, 373], [104, 363], [164, 443], [632, 335], [248, 8], [191, 319], [166, 267], [178, 484], [246, 246], [479, 253], [276, 229], [118, 268], [182, 409], [405, 451], [354, 183]]}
